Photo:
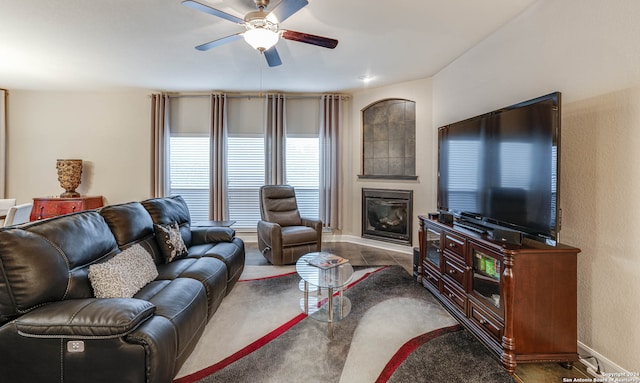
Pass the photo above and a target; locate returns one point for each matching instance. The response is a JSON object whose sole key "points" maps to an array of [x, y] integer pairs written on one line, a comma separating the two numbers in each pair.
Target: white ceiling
{"points": [[149, 44]]}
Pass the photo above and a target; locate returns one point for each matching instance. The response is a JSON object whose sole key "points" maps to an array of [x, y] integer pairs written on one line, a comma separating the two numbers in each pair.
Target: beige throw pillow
{"points": [[123, 275]]}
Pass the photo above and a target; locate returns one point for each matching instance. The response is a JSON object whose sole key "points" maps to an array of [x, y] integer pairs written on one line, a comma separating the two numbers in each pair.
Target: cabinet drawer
{"points": [[486, 321], [430, 276], [454, 244], [455, 269], [454, 294], [51, 207], [48, 210]]}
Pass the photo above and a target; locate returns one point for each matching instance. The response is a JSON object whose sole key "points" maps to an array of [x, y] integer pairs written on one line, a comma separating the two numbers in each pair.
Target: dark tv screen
{"points": [[500, 169]]}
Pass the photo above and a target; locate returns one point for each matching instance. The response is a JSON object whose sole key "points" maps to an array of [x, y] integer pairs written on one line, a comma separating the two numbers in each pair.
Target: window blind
{"points": [[245, 174], [303, 173], [189, 173]]}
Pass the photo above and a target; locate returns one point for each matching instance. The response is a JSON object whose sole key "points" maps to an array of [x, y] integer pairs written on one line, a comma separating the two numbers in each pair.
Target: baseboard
{"points": [[608, 368], [247, 236]]}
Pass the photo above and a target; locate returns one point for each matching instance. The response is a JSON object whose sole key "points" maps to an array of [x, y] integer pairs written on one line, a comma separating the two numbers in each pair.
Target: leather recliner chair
{"points": [[283, 235]]}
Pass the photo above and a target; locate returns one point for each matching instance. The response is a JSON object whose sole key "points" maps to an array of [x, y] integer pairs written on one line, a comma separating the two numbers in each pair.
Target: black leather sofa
{"points": [[54, 329]]}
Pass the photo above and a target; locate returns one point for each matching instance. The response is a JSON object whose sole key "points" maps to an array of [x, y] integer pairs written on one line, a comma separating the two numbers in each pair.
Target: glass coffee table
{"points": [[333, 306]]}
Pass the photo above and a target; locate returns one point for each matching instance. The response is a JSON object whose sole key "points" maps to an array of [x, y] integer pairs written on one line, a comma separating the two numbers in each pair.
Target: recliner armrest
{"points": [[316, 224], [270, 233], [205, 234], [85, 318]]}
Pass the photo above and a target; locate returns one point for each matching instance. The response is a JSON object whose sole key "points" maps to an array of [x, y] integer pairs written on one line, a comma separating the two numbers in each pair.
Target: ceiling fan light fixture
{"points": [[261, 38], [261, 33]]}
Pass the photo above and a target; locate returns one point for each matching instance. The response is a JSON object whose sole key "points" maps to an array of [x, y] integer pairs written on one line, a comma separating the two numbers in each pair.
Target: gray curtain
{"points": [[275, 134], [330, 176], [3, 142], [159, 145], [218, 206]]}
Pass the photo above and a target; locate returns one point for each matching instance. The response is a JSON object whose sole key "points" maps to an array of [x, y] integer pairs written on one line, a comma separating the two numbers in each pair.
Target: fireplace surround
{"points": [[387, 215]]}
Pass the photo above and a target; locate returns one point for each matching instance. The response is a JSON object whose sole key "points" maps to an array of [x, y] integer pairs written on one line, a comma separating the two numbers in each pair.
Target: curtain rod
{"points": [[252, 95]]}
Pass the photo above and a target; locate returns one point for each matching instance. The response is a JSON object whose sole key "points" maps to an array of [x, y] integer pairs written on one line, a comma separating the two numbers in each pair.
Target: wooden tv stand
{"points": [[519, 301]]}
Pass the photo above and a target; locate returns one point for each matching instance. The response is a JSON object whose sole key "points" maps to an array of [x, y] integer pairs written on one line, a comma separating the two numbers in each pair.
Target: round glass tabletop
{"points": [[329, 277]]}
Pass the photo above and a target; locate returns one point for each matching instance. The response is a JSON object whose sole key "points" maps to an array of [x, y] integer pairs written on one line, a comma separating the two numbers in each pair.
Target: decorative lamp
{"points": [[69, 176]]}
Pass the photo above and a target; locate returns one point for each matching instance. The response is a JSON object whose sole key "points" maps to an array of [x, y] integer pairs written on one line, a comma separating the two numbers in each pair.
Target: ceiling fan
{"points": [[262, 29]]}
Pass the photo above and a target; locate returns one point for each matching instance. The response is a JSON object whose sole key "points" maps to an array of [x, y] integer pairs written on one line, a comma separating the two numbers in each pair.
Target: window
{"points": [[245, 172], [303, 173], [189, 156], [245, 175], [189, 173], [189, 170]]}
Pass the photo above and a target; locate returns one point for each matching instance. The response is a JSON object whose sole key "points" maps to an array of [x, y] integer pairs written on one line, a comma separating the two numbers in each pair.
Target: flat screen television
{"points": [[501, 169]]}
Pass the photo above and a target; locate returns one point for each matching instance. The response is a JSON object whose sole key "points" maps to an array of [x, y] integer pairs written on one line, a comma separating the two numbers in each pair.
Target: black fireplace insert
{"points": [[387, 215]]}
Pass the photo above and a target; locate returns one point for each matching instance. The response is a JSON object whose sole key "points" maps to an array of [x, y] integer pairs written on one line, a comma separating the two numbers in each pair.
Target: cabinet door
{"points": [[486, 278], [432, 248], [431, 255]]}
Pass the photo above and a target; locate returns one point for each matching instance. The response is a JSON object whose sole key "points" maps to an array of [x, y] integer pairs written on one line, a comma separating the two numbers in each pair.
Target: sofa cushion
{"points": [[131, 224], [171, 209], [211, 272], [231, 253], [123, 275], [183, 301], [170, 241], [48, 260]]}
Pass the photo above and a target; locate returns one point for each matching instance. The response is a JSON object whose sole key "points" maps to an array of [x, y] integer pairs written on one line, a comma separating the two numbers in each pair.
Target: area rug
{"points": [[396, 332]]}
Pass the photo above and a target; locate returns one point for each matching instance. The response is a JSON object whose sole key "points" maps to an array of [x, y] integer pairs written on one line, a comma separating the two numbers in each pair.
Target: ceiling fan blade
{"points": [[310, 39], [218, 42], [212, 11], [272, 56], [285, 9]]}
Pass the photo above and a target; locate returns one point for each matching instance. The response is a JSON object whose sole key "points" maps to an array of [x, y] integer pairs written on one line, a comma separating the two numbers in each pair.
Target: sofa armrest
{"points": [[202, 235], [85, 318]]}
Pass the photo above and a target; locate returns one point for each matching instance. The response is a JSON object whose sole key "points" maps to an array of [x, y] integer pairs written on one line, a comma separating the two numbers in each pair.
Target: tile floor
{"points": [[360, 255]]}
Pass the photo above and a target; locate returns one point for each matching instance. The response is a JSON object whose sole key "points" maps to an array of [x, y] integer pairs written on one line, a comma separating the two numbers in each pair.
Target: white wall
{"points": [[109, 131], [588, 50], [424, 198]]}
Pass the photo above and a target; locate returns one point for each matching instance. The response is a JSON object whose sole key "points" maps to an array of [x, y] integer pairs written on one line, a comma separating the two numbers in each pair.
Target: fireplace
{"points": [[387, 215]]}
